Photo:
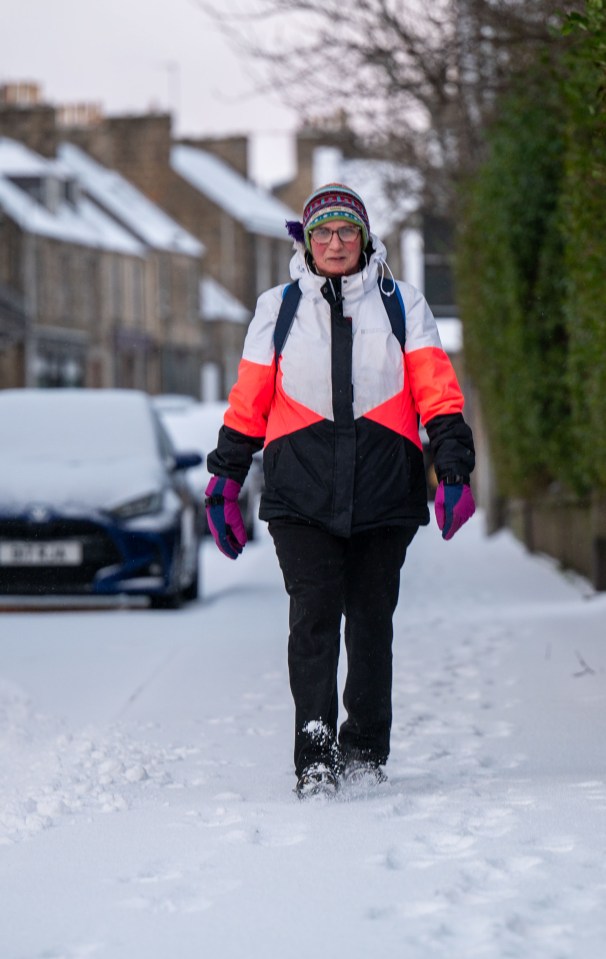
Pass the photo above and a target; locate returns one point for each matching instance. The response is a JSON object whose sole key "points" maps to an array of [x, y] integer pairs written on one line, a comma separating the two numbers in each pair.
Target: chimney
{"points": [[22, 94], [79, 115], [139, 148], [24, 117]]}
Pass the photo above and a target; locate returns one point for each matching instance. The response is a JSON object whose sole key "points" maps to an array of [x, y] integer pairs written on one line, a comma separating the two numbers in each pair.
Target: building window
{"points": [[438, 245], [58, 367]]}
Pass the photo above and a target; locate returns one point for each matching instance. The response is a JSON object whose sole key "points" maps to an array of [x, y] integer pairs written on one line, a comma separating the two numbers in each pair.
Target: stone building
{"points": [[170, 345], [204, 185], [60, 257], [248, 248], [151, 330], [98, 286]]}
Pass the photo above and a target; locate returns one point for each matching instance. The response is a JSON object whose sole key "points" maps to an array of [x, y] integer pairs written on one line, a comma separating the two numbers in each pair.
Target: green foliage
{"points": [[531, 272], [509, 274], [584, 213]]}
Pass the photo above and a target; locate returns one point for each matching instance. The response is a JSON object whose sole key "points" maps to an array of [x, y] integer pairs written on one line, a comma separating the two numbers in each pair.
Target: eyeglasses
{"points": [[346, 234]]}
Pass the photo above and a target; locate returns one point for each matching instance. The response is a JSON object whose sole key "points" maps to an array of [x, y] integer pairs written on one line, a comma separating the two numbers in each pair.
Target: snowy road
{"points": [[146, 805]]}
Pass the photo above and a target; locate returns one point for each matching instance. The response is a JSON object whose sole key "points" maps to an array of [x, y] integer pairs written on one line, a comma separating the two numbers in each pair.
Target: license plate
{"points": [[56, 553]]}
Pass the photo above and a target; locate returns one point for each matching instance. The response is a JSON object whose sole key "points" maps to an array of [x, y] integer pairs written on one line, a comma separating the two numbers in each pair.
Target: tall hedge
{"points": [[509, 269], [584, 219], [531, 272]]}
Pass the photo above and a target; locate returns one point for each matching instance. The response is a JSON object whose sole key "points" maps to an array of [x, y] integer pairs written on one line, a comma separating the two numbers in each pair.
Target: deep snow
{"points": [[146, 805]]}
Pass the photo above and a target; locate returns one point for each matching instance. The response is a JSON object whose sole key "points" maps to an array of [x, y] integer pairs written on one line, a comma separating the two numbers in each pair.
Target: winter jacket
{"points": [[339, 414]]}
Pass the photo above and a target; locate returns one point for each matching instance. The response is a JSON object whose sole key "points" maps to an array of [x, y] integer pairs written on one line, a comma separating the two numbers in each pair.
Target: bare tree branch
{"points": [[416, 85]]}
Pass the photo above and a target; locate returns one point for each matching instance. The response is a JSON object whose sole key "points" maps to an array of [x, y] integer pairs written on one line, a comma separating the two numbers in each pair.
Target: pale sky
{"points": [[130, 55]]}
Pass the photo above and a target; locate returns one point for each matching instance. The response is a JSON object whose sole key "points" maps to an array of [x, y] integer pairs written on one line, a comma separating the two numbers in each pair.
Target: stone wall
{"points": [[570, 530]]}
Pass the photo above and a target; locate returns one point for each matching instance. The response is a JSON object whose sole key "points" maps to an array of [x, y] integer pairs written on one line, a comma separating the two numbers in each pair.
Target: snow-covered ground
{"points": [[146, 805]]}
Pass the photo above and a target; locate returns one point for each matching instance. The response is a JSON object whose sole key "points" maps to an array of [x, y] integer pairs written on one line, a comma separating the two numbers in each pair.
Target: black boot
{"points": [[317, 781]]}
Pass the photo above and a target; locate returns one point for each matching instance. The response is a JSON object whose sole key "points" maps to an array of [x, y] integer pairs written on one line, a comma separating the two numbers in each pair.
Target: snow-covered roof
{"points": [[127, 204], [369, 179], [18, 160], [251, 205], [217, 303], [80, 223]]}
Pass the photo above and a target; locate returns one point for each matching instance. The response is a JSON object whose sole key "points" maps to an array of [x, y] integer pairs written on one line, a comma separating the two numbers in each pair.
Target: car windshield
{"points": [[76, 424]]}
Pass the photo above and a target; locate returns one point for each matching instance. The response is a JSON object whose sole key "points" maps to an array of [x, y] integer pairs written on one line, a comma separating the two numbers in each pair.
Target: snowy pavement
{"points": [[146, 805]]}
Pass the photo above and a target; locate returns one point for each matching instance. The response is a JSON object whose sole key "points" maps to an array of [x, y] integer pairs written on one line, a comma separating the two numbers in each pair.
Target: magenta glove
{"points": [[224, 517], [454, 506]]}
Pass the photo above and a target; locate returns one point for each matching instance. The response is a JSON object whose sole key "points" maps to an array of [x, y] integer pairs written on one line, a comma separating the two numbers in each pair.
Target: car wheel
{"points": [[167, 601], [192, 592]]}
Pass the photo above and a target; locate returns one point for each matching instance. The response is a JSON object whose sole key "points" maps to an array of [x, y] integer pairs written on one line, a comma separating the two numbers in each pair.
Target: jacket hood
{"points": [[311, 282]]}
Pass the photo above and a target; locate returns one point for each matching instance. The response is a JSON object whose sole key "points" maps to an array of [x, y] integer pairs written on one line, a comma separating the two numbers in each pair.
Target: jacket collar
{"points": [[355, 285]]}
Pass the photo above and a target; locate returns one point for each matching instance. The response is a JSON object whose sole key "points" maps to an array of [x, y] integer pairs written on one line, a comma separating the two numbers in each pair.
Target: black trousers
{"points": [[328, 577]]}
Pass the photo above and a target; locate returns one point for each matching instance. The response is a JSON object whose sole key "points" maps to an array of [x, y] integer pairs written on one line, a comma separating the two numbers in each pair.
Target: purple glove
{"points": [[224, 517], [454, 506]]}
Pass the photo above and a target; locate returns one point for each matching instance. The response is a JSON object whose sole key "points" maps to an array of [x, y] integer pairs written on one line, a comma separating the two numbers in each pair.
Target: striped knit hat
{"points": [[334, 201]]}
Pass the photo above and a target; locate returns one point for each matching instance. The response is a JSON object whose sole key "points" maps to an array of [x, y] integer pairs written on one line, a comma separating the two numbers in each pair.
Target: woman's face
{"points": [[337, 258]]}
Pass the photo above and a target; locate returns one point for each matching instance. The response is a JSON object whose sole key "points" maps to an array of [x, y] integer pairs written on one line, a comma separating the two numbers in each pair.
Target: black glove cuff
{"points": [[451, 480]]}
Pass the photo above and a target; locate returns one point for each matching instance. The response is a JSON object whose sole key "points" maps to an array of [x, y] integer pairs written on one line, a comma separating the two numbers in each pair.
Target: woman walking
{"points": [[337, 412]]}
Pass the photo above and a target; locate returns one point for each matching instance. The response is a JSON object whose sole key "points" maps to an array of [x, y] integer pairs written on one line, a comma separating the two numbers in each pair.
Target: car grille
{"points": [[98, 551]]}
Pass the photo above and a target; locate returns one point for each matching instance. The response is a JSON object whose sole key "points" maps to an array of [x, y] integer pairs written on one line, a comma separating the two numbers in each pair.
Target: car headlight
{"points": [[142, 505]]}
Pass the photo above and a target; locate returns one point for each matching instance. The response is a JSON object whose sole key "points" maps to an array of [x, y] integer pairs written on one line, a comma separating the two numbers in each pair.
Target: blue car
{"points": [[94, 498]]}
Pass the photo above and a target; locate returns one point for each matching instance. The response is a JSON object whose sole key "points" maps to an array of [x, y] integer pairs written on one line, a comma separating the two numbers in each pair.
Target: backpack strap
{"points": [[392, 301], [394, 306], [286, 315]]}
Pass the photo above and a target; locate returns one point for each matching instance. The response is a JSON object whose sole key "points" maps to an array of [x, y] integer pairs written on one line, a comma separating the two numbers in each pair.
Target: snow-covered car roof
{"points": [[77, 448]]}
